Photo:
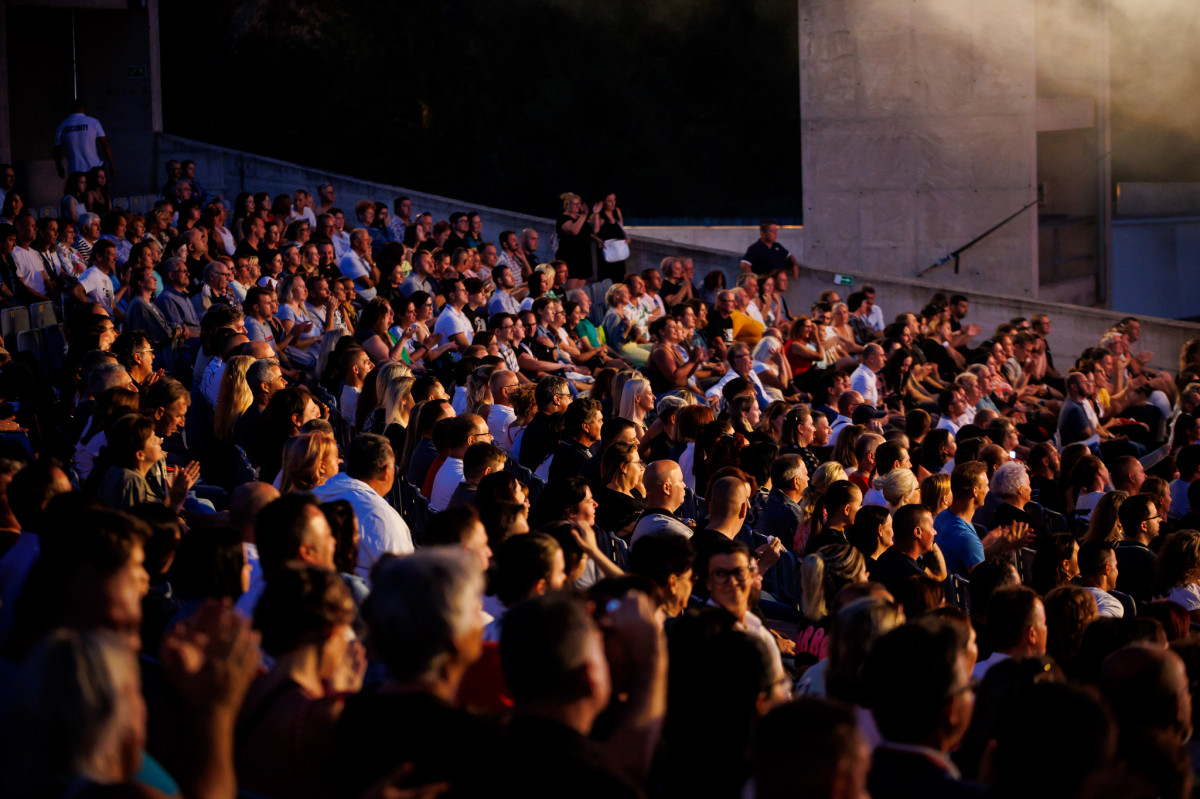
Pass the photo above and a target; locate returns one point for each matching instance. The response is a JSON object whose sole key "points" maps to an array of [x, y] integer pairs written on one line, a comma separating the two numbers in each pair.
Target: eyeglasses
{"points": [[722, 576]]}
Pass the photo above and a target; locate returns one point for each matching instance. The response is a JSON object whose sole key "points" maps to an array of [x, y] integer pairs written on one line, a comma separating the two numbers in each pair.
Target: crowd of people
{"points": [[325, 504]]}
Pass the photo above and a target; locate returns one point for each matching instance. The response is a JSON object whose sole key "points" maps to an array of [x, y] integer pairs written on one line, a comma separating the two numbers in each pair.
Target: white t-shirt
{"points": [[1109, 606], [445, 483], [353, 266], [98, 287], [348, 403], [30, 269], [77, 136], [499, 418], [451, 322]]}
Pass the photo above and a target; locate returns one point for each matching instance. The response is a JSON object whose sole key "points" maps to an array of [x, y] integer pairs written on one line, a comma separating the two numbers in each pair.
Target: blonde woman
{"points": [[899, 487], [575, 239], [396, 410], [636, 401], [935, 493], [292, 293], [826, 475], [309, 459], [233, 397], [377, 418], [479, 394], [838, 333]]}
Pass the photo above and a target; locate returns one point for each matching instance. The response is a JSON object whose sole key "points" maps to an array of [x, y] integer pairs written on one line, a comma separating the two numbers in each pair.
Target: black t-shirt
{"points": [[1136, 565], [454, 242], [894, 566], [720, 327], [616, 511]]}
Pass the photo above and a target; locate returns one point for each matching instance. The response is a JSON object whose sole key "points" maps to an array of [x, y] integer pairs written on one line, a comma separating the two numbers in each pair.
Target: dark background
{"points": [[688, 109]]}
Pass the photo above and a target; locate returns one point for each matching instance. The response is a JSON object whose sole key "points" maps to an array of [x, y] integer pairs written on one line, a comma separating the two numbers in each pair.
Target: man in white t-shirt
{"points": [[359, 265], [462, 432], [652, 282], [31, 270], [77, 137], [452, 323], [1098, 576], [95, 285], [500, 411]]}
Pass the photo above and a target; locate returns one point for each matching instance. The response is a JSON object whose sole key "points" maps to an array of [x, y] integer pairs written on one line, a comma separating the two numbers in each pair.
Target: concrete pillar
{"points": [[919, 134]]}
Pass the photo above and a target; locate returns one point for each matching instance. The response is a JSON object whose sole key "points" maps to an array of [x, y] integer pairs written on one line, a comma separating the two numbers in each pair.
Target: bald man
{"points": [[665, 492], [847, 402], [259, 350]]}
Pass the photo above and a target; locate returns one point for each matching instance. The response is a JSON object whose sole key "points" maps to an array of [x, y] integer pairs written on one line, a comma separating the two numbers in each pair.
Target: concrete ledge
{"points": [[1073, 328]]}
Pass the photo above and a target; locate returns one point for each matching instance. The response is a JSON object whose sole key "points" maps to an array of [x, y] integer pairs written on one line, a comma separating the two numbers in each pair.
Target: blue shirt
{"points": [[959, 543]]}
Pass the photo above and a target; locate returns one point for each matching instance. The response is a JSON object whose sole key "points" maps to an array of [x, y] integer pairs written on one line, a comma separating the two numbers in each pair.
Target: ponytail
{"points": [[812, 587]]}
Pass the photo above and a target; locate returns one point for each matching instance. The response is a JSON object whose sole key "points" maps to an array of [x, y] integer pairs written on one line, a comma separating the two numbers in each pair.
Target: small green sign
{"points": [[138, 71], [843, 280]]}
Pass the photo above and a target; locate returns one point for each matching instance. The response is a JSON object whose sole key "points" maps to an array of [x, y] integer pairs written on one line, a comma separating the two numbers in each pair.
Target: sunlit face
{"points": [[730, 578], [585, 511]]}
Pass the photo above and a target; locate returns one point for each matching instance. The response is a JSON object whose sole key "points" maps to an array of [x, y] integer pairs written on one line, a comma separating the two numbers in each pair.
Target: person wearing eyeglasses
{"points": [[215, 289], [174, 302], [730, 578], [462, 432], [1136, 561]]}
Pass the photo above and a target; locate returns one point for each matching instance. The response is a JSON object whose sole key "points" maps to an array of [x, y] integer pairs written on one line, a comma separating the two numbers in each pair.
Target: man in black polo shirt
{"points": [[912, 538], [767, 254]]}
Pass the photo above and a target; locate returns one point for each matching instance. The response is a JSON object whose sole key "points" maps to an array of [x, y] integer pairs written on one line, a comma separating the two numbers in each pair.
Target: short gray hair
{"points": [[105, 376], [1008, 480], [419, 605], [260, 372], [212, 267], [86, 219], [368, 456]]}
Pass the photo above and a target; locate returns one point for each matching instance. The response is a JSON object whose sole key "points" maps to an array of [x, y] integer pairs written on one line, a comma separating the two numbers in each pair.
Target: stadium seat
{"points": [[41, 315], [12, 322]]}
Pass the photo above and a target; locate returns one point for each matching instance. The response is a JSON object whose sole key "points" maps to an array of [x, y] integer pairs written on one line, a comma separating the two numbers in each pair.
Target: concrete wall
{"points": [[1167, 249], [918, 135], [727, 238], [230, 172], [109, 38]]}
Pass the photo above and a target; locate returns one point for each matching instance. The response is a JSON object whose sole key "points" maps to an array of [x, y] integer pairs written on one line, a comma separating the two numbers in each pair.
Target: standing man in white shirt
{"points": [[452, 323], [359, 265], [370, 473], [77, 138], [864, 379]]}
